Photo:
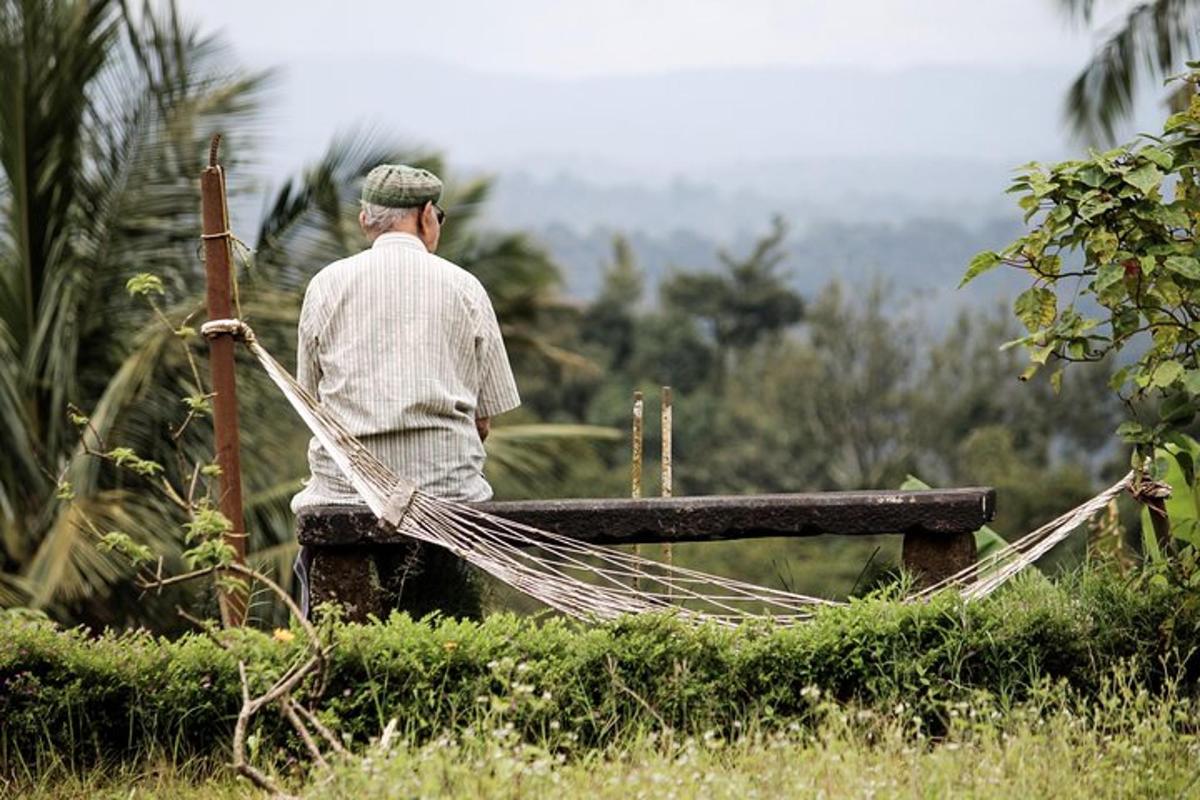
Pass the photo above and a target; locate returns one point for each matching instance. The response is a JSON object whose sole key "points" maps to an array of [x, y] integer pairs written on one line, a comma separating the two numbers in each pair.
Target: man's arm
{"points": [[308, 368], [484, 426], [497, 387]]}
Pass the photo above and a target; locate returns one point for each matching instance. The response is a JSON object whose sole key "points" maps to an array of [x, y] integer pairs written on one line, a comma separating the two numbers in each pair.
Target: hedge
{"points": [[121, 695]]}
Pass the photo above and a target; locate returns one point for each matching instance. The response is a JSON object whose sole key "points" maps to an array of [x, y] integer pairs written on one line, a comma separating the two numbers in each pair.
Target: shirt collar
{"points": [[398, 239]]}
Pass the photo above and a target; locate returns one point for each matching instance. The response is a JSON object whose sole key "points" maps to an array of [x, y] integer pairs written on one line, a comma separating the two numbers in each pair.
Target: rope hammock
{"points": [[593, 582]]}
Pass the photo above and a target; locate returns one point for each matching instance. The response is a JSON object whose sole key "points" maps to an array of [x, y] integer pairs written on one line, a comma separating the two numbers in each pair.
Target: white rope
{"points": [[593, 582]]}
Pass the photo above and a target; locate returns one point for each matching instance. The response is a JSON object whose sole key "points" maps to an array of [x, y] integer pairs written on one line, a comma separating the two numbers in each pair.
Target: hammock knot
{"points": [[1145, 490], [239, 330]]}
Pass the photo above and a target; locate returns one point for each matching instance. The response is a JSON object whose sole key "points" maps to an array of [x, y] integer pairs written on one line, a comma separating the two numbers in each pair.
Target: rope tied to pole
{"points": [[239, 330]]}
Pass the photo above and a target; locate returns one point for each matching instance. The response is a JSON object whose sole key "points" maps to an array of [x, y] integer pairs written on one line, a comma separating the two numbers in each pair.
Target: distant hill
{"points": [[900, 174], [805, 192]]}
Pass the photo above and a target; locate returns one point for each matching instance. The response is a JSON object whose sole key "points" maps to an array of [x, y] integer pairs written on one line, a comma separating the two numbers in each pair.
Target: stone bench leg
{"points": [[347, 576], [376, 579], [932, 557]]}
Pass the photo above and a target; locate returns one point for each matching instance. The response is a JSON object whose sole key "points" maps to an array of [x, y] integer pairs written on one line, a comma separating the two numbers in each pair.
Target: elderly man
{"points": [[405, 350]]}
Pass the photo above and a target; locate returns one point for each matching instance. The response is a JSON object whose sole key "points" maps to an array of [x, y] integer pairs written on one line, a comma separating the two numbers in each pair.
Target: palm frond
{"points": [[1080, 11], [530, 458], [1154, 40], [312, 219]]}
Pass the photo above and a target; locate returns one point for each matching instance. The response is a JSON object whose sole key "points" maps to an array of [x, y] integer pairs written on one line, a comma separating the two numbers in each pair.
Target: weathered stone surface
{"points": [[685, 519], [347, 576], [367, 565], [409, 576], [935, 557]]}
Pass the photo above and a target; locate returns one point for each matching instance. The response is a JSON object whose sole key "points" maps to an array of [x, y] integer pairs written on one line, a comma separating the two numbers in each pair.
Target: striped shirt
{"points": [[404, 349]]}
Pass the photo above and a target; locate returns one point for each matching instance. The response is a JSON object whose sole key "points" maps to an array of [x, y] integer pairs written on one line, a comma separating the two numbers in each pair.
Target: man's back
{"points": [[404, 349]]}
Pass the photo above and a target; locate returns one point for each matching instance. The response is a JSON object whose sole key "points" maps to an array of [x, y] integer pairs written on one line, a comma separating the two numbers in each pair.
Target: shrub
{"points": [[120, 696]]}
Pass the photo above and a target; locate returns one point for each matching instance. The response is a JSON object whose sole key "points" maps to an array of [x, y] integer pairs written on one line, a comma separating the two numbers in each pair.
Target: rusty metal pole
{"points": [[636, 469], [215, 220], [667, 483]]}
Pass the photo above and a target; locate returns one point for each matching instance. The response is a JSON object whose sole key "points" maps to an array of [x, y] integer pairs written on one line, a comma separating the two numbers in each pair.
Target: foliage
{"points": [[746, 302], [1183, 506], [1133, 231], [1112, 256], [123, 695], [103, 117]]}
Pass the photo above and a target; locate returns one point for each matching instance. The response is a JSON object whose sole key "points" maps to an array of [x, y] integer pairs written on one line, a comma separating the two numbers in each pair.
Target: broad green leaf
{"points": [[1108, 275], [1191, 381], [1094, 207], [1166, 373], [985, 261], [1165, 338], [1172, 216], [1049, 265], [1041, 185], [1118, 379], [1060, 214], [1146, 178], [1036, 307], [1177, 410], [1092, 175], [1177, 121], [1186, 266], [1159, 157], [1041, 354], [1167, 290], [1177, 462], [1131, 431]]}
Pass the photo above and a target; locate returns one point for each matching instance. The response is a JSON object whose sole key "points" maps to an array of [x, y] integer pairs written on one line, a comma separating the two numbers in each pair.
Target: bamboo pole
{"points": [[636, 468], [667, 482], [216, 237]]}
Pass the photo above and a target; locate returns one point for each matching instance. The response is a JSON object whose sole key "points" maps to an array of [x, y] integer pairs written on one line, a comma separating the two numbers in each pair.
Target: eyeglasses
{"points": [[440, 212]]}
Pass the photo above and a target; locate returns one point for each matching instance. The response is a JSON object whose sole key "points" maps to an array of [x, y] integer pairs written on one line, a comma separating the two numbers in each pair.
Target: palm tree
{"points": [[105, 115], [1153, 40]]}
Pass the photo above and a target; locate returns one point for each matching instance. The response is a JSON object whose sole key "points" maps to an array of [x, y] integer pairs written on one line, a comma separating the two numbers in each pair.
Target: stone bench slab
{"points": [[692, 519], [348, 544]]}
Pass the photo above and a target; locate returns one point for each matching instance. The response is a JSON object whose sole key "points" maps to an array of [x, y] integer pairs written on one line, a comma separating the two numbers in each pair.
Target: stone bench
{"points": [[348, 544]]}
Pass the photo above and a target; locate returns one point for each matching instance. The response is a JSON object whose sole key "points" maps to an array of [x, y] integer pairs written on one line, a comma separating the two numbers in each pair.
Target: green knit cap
{"points": [[401, 186]]}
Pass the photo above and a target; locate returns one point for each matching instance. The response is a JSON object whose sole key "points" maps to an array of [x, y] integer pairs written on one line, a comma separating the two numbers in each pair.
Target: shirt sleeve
{"points": [[308, 367], [497, 387]]}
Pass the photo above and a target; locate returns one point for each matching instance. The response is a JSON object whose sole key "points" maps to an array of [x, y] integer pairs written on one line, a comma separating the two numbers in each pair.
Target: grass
{"points": [[1126, 744], [1087, 687]]}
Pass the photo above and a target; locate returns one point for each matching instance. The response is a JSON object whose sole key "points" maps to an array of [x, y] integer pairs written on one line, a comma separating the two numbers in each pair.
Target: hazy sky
{"points": [[557, 38], [649, 90]]}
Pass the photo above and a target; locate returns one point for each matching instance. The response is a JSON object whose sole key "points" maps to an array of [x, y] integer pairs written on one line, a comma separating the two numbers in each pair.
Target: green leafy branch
{"points": [[1116, 234], [147, 286]]}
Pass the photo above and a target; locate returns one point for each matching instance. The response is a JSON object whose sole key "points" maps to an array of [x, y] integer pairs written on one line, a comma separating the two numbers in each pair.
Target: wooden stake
{"points": [[667, 483], [636, 469], [215, 214]]}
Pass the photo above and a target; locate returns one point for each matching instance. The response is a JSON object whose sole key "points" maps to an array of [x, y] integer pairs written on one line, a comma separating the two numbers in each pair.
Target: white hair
{"points": [[378, 219]]}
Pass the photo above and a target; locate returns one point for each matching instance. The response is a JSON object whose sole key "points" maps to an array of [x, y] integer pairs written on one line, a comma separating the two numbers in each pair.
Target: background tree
{"points": [[747, 302]]}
